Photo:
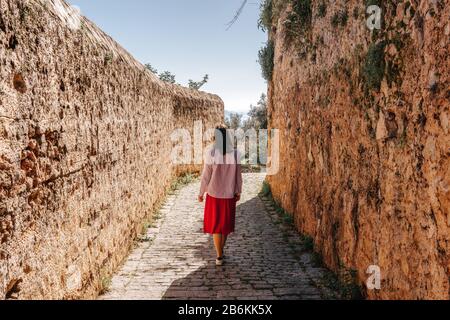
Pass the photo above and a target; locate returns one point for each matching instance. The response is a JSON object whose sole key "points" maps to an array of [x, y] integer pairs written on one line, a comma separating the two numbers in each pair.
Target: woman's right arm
{"points": [[206, 178]]}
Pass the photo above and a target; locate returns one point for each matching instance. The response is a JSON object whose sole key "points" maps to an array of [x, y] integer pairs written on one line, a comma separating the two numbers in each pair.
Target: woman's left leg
{"points": [[218, 243]]}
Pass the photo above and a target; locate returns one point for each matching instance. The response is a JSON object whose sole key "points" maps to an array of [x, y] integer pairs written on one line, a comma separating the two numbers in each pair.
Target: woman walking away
{"points": [[222, 182]]}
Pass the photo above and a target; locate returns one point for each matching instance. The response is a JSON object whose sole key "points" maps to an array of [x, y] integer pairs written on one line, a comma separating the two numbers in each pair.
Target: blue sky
{"points": [[189, 38]]}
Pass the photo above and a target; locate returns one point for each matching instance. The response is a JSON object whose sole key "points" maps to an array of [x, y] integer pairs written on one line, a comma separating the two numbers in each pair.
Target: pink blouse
{"points": [[222, 177]]}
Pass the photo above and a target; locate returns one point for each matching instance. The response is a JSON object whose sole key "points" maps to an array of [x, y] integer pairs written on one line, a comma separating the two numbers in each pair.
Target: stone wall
{"points": [[85, 150], [368, 167]]}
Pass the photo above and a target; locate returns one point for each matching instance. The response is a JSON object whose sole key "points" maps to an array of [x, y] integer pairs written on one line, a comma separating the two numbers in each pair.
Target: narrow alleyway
{"points": [[177, 259]]}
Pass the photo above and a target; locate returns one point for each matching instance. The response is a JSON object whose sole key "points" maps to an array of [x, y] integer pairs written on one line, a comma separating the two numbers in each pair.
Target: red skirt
{"points": [[220, 215]]}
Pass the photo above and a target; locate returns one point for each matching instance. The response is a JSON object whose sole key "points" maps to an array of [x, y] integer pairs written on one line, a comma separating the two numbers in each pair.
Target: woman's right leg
{"points": [[218, 244]]}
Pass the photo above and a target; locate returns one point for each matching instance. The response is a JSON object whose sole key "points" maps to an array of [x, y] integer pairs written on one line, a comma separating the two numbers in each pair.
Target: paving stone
{"points": [[180, 261]]}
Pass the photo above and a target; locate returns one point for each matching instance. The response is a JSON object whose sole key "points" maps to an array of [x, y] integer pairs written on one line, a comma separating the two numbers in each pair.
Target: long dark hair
{"points": [[223, 141]]}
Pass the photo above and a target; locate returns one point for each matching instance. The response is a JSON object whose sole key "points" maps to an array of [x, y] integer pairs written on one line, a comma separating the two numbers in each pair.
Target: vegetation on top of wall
{"points": [[196, 85], [151, 68], [374, 66], [265, 16], [266, 59], [167, 76], [270, 12], [297, 22]]}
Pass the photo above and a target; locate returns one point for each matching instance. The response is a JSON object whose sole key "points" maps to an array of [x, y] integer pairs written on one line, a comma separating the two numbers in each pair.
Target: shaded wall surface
{"points": [[365, 144], [84, 150]]}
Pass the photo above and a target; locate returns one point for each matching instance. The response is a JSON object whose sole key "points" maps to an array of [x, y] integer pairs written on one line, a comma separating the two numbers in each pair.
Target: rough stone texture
{"points": [[369, 171], [177, 260], [85, 151]]}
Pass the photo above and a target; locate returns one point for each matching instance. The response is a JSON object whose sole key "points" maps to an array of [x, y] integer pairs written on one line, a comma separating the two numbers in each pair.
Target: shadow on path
{"points": [[263, 258], [259, 264]]}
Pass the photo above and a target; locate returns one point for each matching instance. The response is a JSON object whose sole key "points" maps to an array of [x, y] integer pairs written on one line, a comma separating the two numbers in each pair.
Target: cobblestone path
{"points": [[264, 259]]}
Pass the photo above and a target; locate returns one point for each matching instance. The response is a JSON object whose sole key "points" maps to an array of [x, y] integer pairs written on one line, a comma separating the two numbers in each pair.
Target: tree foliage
{"points": [[150, 68], [198, 84], [167, 76], [234, 121], [265, 16], [257, 116], [266, 57]]}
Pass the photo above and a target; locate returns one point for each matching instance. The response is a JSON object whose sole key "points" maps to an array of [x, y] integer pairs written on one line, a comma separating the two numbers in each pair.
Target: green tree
{"points": [[150, 67], [265, 17], [234, 121], [197, 85], [167, 76], [257, 116], [265, 57]]}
